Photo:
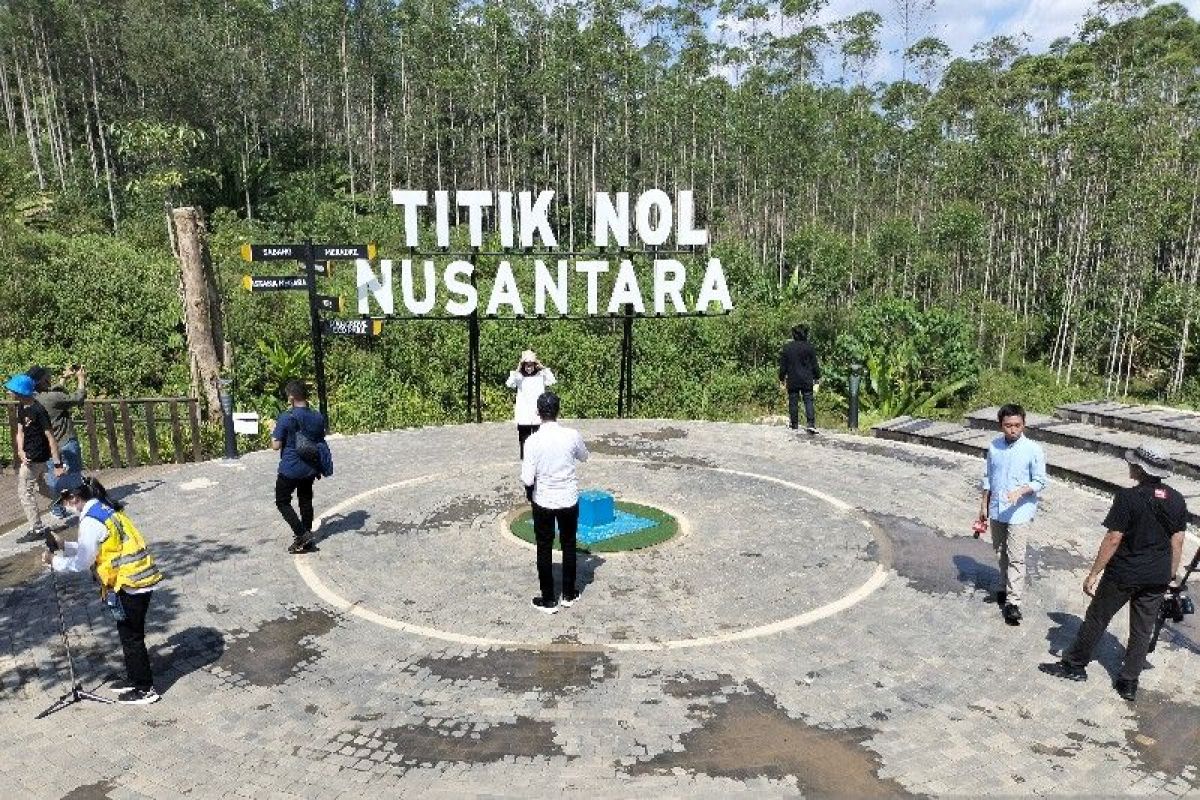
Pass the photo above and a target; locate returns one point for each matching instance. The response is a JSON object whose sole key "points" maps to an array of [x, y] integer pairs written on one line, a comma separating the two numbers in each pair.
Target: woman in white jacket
{"points": [[531, 380]]}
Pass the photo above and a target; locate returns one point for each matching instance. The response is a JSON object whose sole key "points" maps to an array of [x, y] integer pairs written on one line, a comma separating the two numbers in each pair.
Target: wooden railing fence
{"points": [[128, 431]]}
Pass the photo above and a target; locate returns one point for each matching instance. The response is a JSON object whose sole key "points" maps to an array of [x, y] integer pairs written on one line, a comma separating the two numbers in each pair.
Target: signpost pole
{"points": [[627, 371], [474, 393], [318, 344]]}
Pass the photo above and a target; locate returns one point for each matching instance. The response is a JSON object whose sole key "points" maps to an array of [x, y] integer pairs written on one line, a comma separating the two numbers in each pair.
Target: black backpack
{"points": [[308, 451]]}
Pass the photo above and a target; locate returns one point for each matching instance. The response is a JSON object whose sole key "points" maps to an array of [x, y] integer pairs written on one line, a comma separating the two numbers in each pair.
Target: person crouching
{"points": [[111, 545]]}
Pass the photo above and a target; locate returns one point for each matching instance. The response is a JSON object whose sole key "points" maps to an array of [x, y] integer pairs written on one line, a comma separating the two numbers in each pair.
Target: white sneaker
{"points": [[566, 601], [138, 697]]}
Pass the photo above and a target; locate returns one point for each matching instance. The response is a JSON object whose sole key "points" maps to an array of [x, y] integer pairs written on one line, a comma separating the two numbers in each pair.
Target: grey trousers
{"points": [[31, 483], [1010, 541], [1144, 603]]}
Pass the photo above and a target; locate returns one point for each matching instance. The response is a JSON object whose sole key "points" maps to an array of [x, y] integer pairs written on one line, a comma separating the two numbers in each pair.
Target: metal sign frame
{"points": [[309, 253]]}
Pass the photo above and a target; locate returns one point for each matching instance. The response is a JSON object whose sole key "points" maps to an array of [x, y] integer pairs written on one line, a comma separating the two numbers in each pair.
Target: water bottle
{"points": [[113, 601]]}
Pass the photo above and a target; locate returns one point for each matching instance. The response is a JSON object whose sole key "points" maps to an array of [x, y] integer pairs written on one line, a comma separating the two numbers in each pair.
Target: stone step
{"points": [[1096, 470], [1096, 439], [1158, 421]]}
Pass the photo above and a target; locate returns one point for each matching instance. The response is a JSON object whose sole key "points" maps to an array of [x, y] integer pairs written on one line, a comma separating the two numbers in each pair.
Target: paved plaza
{"points": [[819, 627]]}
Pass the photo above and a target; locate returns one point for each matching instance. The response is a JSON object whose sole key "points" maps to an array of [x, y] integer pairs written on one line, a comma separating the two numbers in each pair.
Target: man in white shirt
{"points": [[548, 472], [530, 379]]}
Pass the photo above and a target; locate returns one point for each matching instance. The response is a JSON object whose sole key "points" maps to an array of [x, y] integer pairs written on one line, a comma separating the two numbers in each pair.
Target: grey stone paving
{"points": [[917, 689]]}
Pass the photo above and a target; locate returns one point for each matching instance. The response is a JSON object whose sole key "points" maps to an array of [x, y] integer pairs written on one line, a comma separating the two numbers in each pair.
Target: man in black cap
{"points": [[58, 404], [799, 375], [1139, 558]]}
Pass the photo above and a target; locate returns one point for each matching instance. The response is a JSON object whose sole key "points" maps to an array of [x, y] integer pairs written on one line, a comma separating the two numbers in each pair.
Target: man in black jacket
{"points": [[799, 375]]}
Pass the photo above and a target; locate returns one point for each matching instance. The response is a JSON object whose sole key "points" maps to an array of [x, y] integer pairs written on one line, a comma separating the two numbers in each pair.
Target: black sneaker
{"points": [[35, 534], [812, 430], [138, 697], [544, 607], [568, 600], [1126, 688], [1012, 614], [300, 546], [1061, 669]]}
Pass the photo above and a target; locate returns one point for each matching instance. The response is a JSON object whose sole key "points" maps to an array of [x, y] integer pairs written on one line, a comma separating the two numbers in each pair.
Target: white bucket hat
{"points": [[529, 357], [1152, 459]]}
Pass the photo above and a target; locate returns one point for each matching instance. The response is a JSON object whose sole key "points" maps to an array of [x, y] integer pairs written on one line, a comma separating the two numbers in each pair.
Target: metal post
{"points": [[318, 345], [474, 393], [226, 399], [625, 395], [855, 379]]}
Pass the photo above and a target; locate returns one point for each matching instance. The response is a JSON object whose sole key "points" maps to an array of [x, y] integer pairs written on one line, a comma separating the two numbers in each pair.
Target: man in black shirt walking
{"points": [[37, 451], [799, 375], [1138, 558]]}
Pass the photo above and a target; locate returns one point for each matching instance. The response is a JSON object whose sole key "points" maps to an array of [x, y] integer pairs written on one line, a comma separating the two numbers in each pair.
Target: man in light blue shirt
{"points": [[1013, 477]]}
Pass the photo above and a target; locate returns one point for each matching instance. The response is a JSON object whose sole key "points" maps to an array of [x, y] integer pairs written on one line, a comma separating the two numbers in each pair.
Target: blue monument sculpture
{"points": [[600, 519]]}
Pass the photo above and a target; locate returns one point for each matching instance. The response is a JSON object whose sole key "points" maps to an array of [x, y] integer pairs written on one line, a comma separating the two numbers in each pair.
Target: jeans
{"points": [[132, 631], [543, 530], [523, 433], [303, 487], [72, 458], [1010, 541], [1144, 603], [810, 413]]}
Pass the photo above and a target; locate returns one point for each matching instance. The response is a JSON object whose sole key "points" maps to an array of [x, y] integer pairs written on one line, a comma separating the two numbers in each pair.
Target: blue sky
{"points": [[963, 23]]}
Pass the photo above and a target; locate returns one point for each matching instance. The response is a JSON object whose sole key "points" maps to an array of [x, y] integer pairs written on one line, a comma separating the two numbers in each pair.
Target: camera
{"points": [[1176, 605], [51, 542]]}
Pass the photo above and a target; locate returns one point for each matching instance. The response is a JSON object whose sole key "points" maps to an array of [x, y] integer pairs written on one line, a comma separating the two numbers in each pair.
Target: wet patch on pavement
{"points": [[934, 563], [93, 791], [442, 740], [1167, 738], [1049, 558], [457, 511], [645, 448], [279, 649], [748, 735], [664, 434], [687, 687], [20, 568], [552, 672]]}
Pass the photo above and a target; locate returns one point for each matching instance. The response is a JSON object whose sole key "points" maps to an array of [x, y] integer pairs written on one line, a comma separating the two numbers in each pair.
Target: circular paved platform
{"points": [[818, 627]]}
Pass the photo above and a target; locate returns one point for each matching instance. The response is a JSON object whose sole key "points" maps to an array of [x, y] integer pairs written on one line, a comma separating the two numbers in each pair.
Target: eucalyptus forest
{"points": [[1000, 225]]}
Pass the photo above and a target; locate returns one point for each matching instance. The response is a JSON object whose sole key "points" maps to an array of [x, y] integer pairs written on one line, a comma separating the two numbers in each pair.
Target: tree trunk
{"points": [[201, 308]]}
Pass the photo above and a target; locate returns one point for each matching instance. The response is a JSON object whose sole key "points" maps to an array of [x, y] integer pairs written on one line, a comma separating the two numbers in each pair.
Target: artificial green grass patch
{"points": [[665, 526]]}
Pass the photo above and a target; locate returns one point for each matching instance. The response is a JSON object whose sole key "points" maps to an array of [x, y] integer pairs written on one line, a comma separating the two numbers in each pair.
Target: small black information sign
{"points": [[343, 252], [352, 327], [274, 252], [275, 283]]}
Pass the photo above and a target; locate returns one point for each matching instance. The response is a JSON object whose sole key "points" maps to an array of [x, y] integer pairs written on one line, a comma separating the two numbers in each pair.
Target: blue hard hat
{"points": [[21, 384]]}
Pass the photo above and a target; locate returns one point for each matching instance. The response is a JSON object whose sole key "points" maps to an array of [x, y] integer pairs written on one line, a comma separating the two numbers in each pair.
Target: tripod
{"points": [[77, 693]]}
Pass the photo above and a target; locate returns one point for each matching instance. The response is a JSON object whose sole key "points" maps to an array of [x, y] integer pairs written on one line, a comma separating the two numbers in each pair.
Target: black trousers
{"points": [[543, 530], [523, 433], [132, 631], [810, 413], [1144, 603], [300, 525]]}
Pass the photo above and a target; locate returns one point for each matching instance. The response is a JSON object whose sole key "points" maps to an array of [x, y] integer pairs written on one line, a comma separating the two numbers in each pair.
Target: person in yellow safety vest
{"points": [[111, 547]]}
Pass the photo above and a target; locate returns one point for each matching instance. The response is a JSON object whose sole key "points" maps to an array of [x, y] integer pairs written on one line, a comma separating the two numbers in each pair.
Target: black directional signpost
{"points": [[316, 260]]}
